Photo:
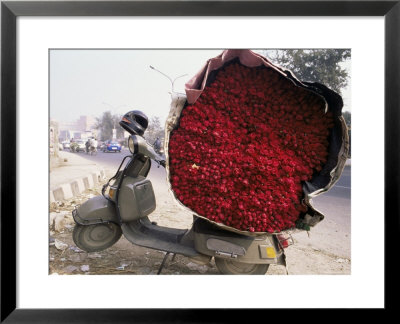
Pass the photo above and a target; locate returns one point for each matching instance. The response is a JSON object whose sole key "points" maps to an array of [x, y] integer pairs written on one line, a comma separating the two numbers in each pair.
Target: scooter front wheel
{"points": [[226, 266], [97, 237]]}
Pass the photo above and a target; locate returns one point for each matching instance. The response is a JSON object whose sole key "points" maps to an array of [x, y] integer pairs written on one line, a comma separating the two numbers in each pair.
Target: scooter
{"points": [[91, 150], [130, 199], [73, 147], [159, 151]]}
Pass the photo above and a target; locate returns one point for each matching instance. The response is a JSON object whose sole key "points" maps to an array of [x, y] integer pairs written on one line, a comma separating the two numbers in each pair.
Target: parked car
{"points": [[81, 145], [65, 145], [111, 146]]}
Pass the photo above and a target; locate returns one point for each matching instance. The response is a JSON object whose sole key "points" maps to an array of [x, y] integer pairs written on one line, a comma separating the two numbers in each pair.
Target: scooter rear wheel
{"points": [[226, 266], [98, 237]]}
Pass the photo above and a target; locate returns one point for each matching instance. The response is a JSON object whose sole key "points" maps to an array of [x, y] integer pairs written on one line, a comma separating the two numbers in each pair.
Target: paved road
{"points": [[112, 161], [334, 204]]}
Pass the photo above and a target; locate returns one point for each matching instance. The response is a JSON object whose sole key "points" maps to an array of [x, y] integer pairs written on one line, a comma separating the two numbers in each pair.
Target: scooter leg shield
{"points": [[96, 210]]}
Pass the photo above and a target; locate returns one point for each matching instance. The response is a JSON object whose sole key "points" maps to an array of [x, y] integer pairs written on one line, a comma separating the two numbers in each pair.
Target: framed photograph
{"points": [[59, 58]]}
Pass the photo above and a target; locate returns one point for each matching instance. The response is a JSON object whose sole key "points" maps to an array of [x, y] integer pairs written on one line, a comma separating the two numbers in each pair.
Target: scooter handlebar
{"points": [[138, 145]]}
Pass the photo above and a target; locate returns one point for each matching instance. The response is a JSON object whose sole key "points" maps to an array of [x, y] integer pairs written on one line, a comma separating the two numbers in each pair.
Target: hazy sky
{"points": [[89, 82]]}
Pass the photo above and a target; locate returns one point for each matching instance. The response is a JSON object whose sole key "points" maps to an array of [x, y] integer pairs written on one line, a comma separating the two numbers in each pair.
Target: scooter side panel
{"points": [[256, 251], [212, 241], [136, 198], [95, 211]]}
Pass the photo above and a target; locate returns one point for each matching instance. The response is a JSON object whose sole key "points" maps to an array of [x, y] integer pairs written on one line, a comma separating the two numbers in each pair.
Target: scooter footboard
{"points": [[144, 233], [96, 210]]}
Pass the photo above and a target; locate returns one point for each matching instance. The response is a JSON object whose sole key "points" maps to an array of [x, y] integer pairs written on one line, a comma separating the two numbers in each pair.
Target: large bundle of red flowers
{"points": [[243, 149]]}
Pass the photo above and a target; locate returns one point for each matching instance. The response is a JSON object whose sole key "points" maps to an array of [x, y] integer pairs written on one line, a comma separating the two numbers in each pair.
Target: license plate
{"points": [[114, 148]]}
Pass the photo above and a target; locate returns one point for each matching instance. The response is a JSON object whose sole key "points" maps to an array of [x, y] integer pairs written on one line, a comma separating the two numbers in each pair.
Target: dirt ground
{"points": [[307, 256]]}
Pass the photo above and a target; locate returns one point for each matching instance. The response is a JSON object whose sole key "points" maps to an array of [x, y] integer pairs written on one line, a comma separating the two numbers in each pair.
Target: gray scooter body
{"points": [[134, 200]]}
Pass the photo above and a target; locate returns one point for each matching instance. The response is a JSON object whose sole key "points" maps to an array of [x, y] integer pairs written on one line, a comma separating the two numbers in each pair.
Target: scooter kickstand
{"points": [[173, 257], [163, 262]]}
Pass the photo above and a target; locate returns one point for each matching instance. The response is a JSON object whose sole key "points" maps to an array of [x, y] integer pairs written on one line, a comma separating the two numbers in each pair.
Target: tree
{"points": [[106, 123], [154, 130], [347, 119], [314, 65]]}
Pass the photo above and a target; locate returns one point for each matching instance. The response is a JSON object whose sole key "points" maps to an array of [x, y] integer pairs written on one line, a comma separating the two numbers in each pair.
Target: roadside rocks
{"points": [[60, 245], [70, 269], [84, 268], [196, 267], [79, 257], [59, 220], [60, 217], [341, 260]]}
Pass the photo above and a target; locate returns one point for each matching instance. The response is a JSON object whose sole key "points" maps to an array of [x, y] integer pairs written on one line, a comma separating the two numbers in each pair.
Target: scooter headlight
{"points": [[111, 193], [132, 144]]}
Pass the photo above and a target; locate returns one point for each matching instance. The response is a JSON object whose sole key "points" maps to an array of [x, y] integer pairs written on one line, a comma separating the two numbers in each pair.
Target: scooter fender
{"points": [[96, 210]]}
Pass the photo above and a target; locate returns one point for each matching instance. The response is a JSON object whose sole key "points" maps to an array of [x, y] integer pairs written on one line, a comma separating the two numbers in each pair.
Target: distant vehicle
{"points": [[160, 150], [100, 145], [92, 150], [111, 146], [66, 145], [81, 145]]}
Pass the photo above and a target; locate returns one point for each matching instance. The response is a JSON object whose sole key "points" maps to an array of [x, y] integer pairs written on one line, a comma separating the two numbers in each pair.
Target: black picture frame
{"points": [[10, 10]]}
